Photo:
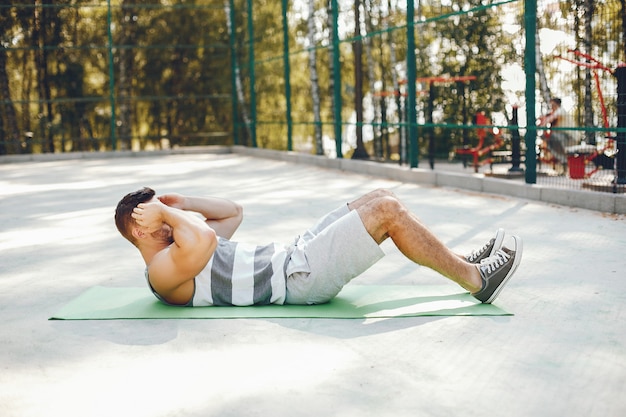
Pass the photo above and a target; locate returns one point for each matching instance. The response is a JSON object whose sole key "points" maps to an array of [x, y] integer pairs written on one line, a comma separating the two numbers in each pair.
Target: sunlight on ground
{"points": [[74, 227], [213, 379]]}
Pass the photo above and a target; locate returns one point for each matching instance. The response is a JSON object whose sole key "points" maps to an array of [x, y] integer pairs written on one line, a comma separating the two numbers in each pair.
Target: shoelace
{"points": [[495, 261], [474, 255]]}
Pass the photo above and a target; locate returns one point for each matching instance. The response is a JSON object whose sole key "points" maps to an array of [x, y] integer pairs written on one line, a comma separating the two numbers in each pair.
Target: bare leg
{"points": [[385, 216]]}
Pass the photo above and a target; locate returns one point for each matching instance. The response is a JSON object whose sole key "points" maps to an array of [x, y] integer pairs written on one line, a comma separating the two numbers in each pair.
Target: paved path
{"points": [[563, 353]]}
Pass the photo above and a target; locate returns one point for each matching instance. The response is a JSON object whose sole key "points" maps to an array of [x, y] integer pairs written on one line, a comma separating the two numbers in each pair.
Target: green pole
{"points": [[252, 80], [530, 23], [336, 78], [111, 78], [287, 76], [411, 77], [233, 69]]}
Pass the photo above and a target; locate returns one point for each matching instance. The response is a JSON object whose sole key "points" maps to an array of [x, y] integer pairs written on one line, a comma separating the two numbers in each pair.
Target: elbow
{"points": [[239, 215]]}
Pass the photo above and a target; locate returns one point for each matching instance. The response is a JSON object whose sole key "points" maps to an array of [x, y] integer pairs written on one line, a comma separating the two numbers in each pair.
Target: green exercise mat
{"points": [[354, 302]]}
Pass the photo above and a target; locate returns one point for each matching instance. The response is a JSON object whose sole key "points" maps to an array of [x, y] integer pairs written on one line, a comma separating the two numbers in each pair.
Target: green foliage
{"points": [[178, 74], [170, 67]]}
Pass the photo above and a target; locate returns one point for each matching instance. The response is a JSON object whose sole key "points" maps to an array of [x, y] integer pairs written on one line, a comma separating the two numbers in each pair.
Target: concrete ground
{"points": [[563, 353]]}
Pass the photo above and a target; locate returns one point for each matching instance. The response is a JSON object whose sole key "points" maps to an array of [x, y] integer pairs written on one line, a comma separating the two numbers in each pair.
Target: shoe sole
{"points": [[516, 262]]}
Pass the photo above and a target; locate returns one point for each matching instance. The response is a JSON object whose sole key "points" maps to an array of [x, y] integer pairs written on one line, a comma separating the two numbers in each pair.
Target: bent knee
{"points": [[390, 206], [382, 215], [383, 193], [385, 208]]}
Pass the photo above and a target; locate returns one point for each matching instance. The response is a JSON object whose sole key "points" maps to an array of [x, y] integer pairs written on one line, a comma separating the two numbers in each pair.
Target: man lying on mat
{"points": [[192, 262]]}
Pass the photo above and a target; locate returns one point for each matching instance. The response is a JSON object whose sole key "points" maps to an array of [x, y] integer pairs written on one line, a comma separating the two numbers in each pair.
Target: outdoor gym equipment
{"points": [[481, 149], [579, 156]]}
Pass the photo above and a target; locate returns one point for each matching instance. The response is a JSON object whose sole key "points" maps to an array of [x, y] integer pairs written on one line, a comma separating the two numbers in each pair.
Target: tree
{"points": [[544, 88], [42, 15], [9, 131], [357, 47], [371, 76], [623, 14], [587, 40], [126, 68]]}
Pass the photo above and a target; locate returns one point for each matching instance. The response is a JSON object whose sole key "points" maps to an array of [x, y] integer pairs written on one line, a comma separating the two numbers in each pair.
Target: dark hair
{"points": [[123, 218], [557, 101]]}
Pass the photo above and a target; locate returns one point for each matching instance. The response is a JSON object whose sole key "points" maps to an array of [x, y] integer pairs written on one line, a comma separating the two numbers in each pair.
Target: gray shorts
{"points": [[328, 256]]}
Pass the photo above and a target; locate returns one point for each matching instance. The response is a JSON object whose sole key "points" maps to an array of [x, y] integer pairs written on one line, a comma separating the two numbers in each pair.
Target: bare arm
{"points": [[223, 216], [171, 269]]}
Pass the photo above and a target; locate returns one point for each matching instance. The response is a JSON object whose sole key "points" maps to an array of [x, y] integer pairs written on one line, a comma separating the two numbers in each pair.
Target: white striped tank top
{"points": [[240, 274]]}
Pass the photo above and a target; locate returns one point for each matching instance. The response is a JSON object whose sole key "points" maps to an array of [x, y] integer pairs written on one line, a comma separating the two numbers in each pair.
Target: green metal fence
{"points": [[372, 66], [415, 83]]}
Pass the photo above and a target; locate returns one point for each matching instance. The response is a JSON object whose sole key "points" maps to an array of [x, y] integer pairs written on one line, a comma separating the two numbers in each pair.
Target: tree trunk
{"points": [[126, 63], [331, 65], [623, 13], [543, 81], [41, 60], [315, 95], [371, 75], [402, 151], [587, 42], [36, 36], [359, 152], [9, 131]]}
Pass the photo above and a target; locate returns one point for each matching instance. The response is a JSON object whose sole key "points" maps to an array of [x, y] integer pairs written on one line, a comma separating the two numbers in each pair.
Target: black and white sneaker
{"points": [[497, 269], [488, 250]]}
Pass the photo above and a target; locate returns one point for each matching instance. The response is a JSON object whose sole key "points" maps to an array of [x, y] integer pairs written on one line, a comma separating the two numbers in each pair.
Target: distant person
{"points": [[191, 261], [557, 141]]}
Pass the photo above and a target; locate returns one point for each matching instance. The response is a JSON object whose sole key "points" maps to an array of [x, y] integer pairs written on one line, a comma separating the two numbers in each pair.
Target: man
{"points": [[557, 141], [192, 262]]}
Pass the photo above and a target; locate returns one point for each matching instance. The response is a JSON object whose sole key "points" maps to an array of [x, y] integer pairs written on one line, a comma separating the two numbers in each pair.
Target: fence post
{"points": [[411, 77], [287, 76], [530, 66], [620, 163], [111, 78]]}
